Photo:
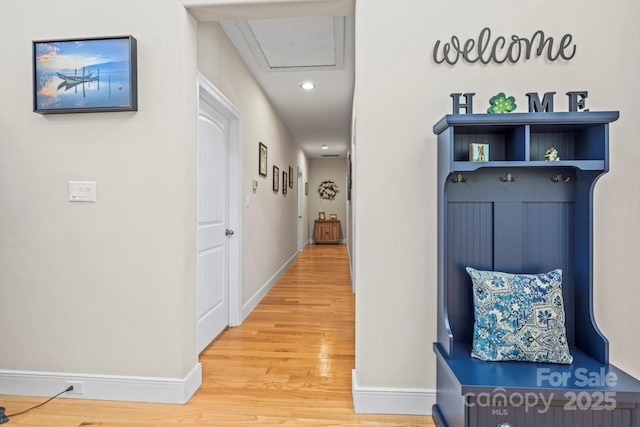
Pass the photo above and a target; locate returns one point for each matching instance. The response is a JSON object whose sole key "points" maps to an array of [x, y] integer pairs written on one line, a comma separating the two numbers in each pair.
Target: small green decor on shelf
{"points": [[501, 104], [328, 190], [551, 155]]}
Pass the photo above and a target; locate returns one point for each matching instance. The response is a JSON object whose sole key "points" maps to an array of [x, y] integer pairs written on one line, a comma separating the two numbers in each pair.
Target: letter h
{"points": [[468, 105]]}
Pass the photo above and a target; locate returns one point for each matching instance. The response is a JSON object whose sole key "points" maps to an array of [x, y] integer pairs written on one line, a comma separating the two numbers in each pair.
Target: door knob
{"points": [[229, 232]]}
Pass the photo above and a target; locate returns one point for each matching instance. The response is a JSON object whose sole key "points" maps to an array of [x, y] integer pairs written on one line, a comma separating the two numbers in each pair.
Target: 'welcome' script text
{"points": [[500, 50]]}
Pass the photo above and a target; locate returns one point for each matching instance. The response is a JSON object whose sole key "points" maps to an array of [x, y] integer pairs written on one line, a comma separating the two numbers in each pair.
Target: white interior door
{"points": [[213, 211], [300, 211]]}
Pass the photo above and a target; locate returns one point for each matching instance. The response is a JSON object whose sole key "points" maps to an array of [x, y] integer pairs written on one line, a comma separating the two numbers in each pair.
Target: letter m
{"points": [[535, 106]]}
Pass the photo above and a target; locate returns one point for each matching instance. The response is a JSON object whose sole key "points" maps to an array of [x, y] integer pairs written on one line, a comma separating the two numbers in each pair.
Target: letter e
{"points": [[576, 100]]}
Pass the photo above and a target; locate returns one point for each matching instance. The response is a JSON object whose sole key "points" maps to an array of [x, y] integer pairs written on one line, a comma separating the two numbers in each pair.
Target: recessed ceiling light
{"points": [[324, 147], [307, 86]]}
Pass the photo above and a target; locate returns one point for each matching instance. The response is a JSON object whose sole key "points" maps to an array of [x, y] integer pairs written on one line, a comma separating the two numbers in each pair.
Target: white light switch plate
{"points": [[82, 191]]}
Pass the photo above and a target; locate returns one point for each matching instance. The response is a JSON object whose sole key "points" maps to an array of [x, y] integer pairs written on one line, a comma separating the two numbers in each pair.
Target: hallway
{"points": [[289, 363]]}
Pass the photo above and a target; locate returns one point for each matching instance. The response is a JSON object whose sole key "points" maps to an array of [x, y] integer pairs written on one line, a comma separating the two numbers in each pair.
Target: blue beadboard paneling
{"points": [[469, 243], [481, 415], [547, 230], [496, 145], [564, 142]]}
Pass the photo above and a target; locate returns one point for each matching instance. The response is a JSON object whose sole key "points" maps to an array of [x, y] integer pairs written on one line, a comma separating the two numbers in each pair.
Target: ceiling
{"points": [[283, 53]]}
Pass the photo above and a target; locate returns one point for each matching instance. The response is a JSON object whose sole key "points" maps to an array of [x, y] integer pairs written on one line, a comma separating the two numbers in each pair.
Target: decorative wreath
{"points": [[328, 190]]}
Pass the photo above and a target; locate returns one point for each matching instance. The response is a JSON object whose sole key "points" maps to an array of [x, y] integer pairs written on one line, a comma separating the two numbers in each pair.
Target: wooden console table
{"points": [[327, 232]]}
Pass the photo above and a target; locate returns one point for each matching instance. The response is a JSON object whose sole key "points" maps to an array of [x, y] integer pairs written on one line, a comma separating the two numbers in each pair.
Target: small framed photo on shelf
{"points": [[333, 217], [321, 216], [284, 182], [478, 152], [276, 179]]}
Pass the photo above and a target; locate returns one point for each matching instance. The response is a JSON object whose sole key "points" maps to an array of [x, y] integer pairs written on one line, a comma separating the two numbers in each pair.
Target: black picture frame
{"points": [[262, 159], [276, 179], [290, 177], [349, 177], [66, 81], [284, 182]]}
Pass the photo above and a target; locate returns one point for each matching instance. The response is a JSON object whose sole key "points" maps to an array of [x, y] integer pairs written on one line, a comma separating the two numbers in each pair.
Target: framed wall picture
{"points": [[284, 182], [85, 75], [478, 152], [349, 177], [262, 159], [290, 177], [276, 179]]}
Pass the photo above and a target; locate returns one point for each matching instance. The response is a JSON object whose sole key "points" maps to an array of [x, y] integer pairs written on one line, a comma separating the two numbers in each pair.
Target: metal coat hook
{"points": [[560, 178], [508, 178], [458, 178]]}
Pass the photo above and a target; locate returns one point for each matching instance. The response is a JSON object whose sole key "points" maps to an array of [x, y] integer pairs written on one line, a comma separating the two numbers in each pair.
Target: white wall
{"points": [[401, 93], [104, 288], [269, 219], [107, 287], [336, 171]]}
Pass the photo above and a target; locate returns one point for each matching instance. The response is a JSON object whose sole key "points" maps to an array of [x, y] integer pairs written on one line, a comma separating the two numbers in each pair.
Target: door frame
{"points": [[300, 209], [207, 90]]}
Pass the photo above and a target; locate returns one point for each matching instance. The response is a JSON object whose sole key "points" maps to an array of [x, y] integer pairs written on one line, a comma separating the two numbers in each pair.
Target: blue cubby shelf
{"points": [[578, 164], [532, 224], [519, 119]]}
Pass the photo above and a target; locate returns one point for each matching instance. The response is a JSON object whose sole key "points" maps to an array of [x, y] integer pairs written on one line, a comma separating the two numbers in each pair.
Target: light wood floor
{"points": [[289, 363]]}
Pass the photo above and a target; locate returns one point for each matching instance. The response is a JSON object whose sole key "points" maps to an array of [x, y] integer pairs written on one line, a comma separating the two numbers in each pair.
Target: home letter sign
{"points": [[576, 102]]}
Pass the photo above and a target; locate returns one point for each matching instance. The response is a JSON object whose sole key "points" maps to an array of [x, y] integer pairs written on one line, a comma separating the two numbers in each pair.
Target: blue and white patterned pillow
{"points": [[519, 317]]}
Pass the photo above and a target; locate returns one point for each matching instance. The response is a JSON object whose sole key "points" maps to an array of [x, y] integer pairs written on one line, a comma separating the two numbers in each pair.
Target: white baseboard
{"points": [[253, 302], [398, 401], [103, 387], [353, 278]]}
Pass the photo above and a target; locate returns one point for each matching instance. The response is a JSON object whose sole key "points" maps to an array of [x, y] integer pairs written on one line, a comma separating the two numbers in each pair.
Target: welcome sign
{"points": [[486, 50]]}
